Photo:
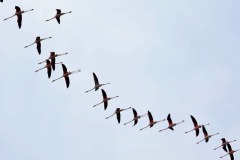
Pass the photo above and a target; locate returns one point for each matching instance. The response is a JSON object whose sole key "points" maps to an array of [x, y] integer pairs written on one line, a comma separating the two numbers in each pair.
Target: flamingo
{"points": [[66, 75], [151, 121], [52, 57], [58, 15], [171, 124], [105, 99], [206, 136], [1, 0], [48, 66], [224, 144], [230, 152], [97, 85], [18, 13], [118, 113], [136, 117], [196, 126], [38, 42]]}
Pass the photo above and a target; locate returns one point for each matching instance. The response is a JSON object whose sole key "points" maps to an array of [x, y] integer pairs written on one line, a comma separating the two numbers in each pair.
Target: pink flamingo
{"points": [[118, 113], [151, 121]]}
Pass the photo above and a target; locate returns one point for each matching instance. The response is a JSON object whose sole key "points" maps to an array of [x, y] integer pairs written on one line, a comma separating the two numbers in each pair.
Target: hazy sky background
{"points": [[178, 57]]}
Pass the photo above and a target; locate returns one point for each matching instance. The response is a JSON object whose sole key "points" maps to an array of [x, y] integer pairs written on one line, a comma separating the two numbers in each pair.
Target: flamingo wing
{"points": [[194, 121], [53, 61], [134, 112], [58, 19], [19, 21], [95, 80], [150, 116], [232, 157], [225, 148], [39, 47], [118, 117], [104, 94], [105, 105], [64, 68], [49, 70], [67, 81], [197, 132], [229, 147], [169, 119], [204, 131]]}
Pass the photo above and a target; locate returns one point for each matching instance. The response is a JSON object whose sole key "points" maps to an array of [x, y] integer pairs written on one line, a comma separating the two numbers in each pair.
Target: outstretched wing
{"points": [[53, 61], [64, 68], [150, 117], [197, 132], [49, 70], [118, 117], [105, 105], [104, 94], [58, 19], [225, 148], [169, 119], [95, 79], [194, 121], [19, 20], [67, 81], [204, 131], [39, 47]]}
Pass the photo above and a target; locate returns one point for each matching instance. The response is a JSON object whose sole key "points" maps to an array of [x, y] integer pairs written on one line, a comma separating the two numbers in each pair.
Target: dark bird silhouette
{"points": [[96, 82], [118, 113], [170, 123], [52, 57], [38, 42], [18, 13], [196, 126], [206, 135], [230, 152], [136, 117], [58, 15], [48, 66], [66, 75], [224, 144], [151, 121], [105, 100]]}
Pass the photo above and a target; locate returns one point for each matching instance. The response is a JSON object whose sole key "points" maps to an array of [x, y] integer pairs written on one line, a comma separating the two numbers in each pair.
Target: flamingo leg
{"points": [[9, 17], [29, 45], [90, 90], [98, 104], [50, 19], [163, 129], [111, 115], [40, 69], [128, 122], [57, 79], [144, 127]]}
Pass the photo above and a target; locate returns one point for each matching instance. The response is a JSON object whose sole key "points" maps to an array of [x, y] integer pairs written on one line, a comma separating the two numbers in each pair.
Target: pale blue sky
{"points": [[178, 57]]}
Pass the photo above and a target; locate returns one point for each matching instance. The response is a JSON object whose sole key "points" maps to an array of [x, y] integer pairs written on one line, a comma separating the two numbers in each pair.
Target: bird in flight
{"points": [[105, 99], [206, 135], [170, 123], [196, 126], [66, 75], [38, 42], [230, 152], [48, 66], [118, 113], [18, 13], [58, 15], [52, 57], [224, 144], [151, 121], [96, 82], [136, 117]]}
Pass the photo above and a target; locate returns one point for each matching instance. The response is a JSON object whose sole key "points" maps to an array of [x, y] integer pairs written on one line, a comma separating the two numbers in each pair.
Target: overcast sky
{"points": [[178, 57]]}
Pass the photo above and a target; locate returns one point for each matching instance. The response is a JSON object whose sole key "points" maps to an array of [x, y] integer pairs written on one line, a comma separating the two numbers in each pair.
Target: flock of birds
{"points": [[50, 65]]}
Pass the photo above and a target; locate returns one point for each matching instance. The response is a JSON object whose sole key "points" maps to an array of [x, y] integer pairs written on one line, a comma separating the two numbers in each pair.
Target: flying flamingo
{"points": [[52, 57], [224, 144], [196, 126], [170, 123], [18, 13], [48, 66], [136, 117], [206, 136], [38, 42], [66, 75], [118, 113], [151, 121], [1, 0], [230, 152], [58, 15], [105, 99], [97, 85]]}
